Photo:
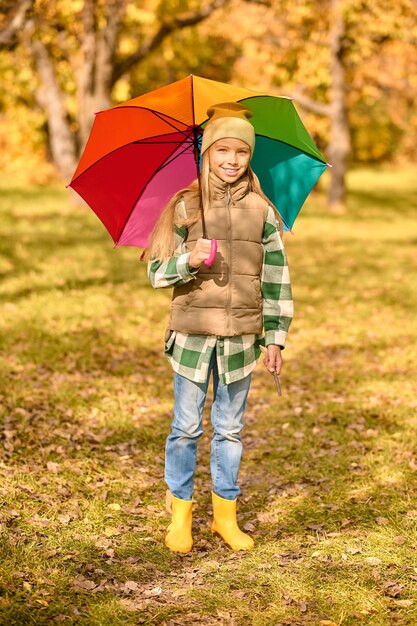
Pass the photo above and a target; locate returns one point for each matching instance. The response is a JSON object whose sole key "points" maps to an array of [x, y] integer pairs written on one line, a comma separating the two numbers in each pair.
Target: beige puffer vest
{"points": [[225, 300]]}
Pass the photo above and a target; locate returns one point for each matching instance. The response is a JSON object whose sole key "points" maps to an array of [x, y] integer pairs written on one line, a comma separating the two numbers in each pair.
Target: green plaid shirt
{"points": [[190, 355]]}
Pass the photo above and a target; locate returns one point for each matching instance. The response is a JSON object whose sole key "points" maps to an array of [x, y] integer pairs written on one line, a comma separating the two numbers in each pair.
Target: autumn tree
{"points": [[350, 66], [81, 49]]}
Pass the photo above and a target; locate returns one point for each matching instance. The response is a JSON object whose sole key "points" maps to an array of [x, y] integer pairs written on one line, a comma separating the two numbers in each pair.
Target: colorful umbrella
{"points": [[140, 152]]}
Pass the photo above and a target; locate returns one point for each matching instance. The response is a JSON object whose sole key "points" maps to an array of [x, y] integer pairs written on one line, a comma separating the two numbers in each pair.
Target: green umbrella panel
{"points": [[286, 159]]}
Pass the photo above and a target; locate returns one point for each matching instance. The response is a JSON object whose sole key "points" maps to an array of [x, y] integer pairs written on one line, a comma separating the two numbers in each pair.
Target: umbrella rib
{"points": [[158, 143], [312, 156], [138, 141], [166, 163], [164, 115], [183, 132]]}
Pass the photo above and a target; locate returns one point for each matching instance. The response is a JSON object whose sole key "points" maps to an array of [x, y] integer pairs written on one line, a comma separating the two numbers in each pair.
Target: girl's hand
{"points": [[200, 253], [273, 359]]}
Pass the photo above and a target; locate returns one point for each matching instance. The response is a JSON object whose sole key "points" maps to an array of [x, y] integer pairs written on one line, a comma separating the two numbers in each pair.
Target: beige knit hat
{"points": [[228, 119]]}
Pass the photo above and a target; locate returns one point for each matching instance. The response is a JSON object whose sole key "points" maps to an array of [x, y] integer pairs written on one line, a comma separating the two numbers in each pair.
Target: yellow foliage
{"points": [[121, 90], [23, 156], [276, 48]]}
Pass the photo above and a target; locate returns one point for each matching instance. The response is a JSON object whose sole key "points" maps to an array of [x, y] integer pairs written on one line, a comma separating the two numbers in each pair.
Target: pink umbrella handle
{"points": [[209, 262]]}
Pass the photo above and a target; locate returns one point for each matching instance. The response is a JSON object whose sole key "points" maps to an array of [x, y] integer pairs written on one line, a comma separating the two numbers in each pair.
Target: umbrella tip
{"points": [[329, 165]]}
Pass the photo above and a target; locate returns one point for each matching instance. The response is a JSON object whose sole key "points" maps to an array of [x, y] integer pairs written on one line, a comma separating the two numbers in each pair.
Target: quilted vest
{"points": [[225, 300]]}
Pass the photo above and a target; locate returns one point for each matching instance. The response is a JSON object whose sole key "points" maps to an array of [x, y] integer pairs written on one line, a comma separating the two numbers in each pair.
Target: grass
{"points": [[329, 472]]}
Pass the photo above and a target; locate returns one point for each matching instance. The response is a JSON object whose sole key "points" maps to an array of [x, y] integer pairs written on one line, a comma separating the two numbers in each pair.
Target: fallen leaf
{"points": [[131, 585], [52, 467], [114, 506], [132, 559], [156, 591], [399, 540], [133, 605], [393, 589], [373, 560], [64, 519], [382, 521], [84, 583]]}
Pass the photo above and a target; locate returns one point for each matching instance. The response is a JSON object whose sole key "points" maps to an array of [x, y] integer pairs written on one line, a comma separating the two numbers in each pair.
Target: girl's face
{"points": [[229, 159]]}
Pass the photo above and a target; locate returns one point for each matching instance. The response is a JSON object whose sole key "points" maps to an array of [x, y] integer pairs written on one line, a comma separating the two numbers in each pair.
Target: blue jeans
{"points": [[226, 448]]}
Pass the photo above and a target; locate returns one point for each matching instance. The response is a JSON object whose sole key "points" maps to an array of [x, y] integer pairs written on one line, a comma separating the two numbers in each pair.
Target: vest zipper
{"points": [[229, 230]]}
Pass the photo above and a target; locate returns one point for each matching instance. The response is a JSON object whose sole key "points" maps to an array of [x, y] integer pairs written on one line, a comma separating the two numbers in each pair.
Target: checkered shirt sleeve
{"points": [[174, 271], [277, 299]]}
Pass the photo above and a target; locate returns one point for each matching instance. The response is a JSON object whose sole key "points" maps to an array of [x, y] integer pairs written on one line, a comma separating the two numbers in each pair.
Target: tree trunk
{"points": [[51, 99], [339, 147], [9, 34], [95, 73]]}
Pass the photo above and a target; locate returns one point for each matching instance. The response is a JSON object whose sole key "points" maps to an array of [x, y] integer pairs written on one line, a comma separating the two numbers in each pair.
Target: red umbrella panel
{"points": [[128, 185]]}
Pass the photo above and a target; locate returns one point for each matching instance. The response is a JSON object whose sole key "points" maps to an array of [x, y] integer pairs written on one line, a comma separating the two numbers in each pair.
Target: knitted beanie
{"points": [[228, 119]]}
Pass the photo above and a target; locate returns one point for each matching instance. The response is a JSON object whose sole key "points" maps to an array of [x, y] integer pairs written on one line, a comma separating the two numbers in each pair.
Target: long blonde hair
{"points": [[161, 244]]}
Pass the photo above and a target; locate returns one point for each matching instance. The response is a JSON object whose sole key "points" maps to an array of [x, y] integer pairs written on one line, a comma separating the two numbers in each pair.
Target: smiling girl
{"points": [[220, 314]]}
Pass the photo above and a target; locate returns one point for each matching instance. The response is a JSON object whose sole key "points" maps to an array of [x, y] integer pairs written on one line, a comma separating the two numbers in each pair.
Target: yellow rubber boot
{"points": [[225, 524], [179, 537]]}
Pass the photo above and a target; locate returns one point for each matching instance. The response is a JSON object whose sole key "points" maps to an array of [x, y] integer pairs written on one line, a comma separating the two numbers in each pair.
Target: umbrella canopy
{"points": [[140, 152]]}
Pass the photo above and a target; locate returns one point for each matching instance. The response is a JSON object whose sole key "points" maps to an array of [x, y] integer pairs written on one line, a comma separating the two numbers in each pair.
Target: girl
{"points": [[217, 314]]}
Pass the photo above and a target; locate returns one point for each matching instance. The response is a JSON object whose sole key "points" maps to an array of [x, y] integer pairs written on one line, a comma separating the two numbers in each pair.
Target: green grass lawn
{"points": [[329, 473]]}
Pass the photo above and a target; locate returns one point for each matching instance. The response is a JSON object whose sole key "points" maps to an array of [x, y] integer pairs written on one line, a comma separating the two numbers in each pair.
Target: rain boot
{"points": [[225, 524], [179, 537]]}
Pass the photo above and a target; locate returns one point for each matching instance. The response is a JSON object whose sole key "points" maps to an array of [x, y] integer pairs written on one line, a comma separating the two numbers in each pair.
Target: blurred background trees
{"points": [[351, 66]]}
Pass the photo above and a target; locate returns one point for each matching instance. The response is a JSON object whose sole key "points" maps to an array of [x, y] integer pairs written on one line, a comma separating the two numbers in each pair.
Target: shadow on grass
{"points": [[333, 448], [87, 593], [374, 205]]}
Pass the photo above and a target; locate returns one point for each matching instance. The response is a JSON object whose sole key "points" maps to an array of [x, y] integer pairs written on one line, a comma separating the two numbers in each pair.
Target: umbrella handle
{"points": [[213, 251]]}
